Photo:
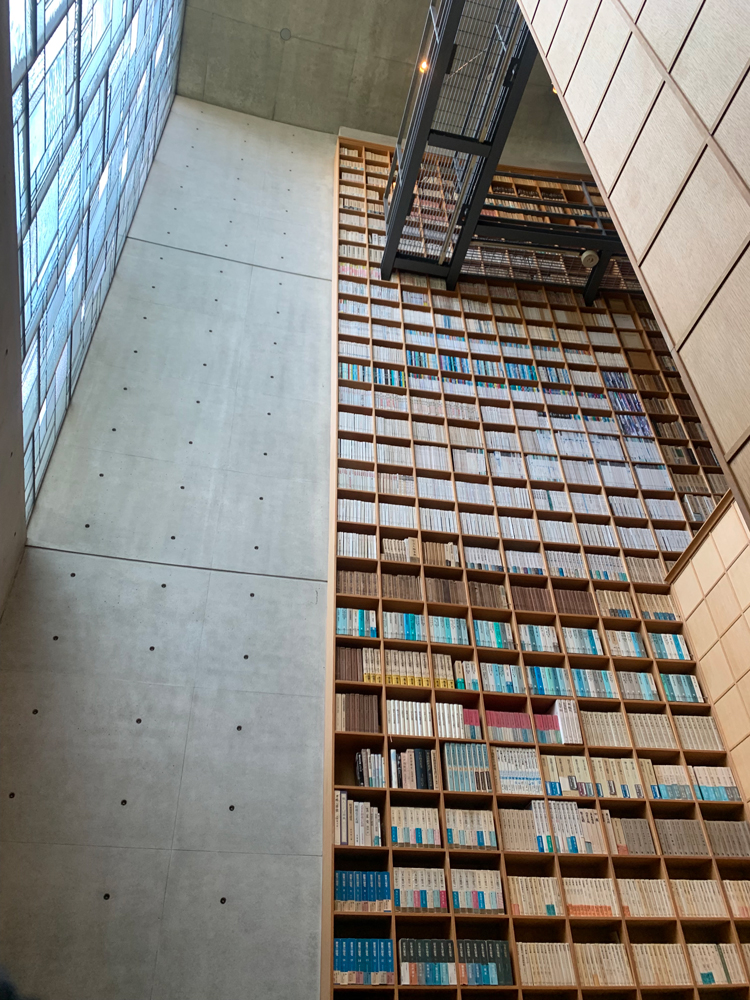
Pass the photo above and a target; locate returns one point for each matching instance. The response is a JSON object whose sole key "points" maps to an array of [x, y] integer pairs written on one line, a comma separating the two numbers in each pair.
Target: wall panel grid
{"points": [[93, 83], [515, 474]]}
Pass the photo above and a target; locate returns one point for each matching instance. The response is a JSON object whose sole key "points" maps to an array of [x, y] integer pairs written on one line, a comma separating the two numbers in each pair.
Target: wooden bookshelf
{"points": [[615, 335]]}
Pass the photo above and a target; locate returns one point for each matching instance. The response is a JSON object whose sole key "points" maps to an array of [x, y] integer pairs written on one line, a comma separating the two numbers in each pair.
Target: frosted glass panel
{"points": [[93, 83]]}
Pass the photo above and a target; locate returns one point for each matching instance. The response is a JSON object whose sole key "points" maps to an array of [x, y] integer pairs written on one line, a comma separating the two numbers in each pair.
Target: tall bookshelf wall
{"points": [[415, 422]]}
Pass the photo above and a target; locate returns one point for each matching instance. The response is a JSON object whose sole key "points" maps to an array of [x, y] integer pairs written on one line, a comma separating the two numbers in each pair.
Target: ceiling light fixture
{"points": [[424, 66]]}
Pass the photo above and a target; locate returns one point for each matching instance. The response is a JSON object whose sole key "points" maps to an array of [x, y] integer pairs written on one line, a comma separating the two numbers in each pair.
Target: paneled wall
{"points": [[658, 94], [712, 587]]}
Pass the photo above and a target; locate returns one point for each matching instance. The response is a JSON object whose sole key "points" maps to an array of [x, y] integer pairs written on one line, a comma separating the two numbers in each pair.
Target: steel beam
{"points": [[578, 238], [459, 143]]}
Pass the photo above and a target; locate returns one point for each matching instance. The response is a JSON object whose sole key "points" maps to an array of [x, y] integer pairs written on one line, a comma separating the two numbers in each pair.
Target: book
{"points": [[407, 667], [356, 823], [661, 965], [602, 964], [408, 718], [466, 767], [414, 768], [534, 896], [419, 890], [681, 837], [651, 730], [363, 962], [413, 826], [542, 963], [426, 962], [477, 891], [357, 713], [470, 829], [551, 681], [505, 678], [369, 769], [729, 838], [355, 663], [576, 830], [457, 722], [616, 778], [605, 729], [738, 894], [509, 727], [362, 892], [716, 963], [461, 675], [566, 776], [644, 897], [590, 897], [483, 963], [628, 835], [358, 622], [698, 898], [665, 781], [698, 732], [516, 771]]}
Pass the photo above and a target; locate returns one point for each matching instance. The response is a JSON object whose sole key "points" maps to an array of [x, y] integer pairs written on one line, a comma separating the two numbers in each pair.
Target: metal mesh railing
{"points": [[469, 105]]}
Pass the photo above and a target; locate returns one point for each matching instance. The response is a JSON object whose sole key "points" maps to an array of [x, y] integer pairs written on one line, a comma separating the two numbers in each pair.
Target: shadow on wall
{"points": [[541, 137], [8, 990]]}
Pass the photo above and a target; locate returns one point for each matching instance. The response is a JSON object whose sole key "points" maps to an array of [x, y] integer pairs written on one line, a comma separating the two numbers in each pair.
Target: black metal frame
{"points": [[504, 84], [419, 128], [518, 59]]}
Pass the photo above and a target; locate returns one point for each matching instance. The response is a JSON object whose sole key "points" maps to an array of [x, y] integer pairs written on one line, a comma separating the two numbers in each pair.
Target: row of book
{"points": [[359, 713], [519, 561], [589, 683], [467, 767], [414, 768], [424, 890], [427, 962], [356, 824], [409, 718], [409, 667], [457, 721], [519, 772], [363, 962], [573, 830], [369, 769], [366, 891], [483, 963]]}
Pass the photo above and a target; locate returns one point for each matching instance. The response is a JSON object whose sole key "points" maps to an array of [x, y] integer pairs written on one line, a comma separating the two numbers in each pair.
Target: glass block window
{"points": [[93, 83]]}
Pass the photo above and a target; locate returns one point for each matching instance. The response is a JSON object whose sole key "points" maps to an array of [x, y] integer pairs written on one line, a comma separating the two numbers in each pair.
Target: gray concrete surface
{"points": [[347, 62], [161, 753]]}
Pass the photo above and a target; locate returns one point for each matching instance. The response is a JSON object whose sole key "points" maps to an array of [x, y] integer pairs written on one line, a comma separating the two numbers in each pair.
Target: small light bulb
{"points": [[554, 90], [424, 66]]}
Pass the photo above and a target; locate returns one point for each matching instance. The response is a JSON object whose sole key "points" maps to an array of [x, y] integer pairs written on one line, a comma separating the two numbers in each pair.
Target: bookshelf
{"points": [[509, 529]]}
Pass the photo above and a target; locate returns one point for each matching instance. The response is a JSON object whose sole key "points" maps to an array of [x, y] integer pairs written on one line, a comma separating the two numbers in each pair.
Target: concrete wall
{"points": [[12, 516], [711, 584], [658, 94], [347, 62], [163, 646], [540, 137]]}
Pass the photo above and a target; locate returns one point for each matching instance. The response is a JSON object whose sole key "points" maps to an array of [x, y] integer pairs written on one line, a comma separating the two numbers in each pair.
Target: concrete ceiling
{"points": [[346, 63]]}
